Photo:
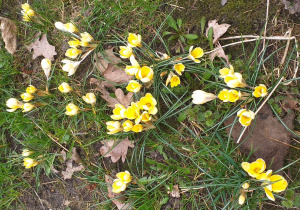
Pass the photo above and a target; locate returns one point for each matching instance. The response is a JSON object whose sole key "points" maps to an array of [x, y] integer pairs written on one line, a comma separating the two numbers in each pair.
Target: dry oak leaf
{"points": [[9, 34], [41, 47], [101, 63], [292, 6], [290, 103], [121, 98], [116, 150], [67, 174], [220, 53], [218, 30], [120, 201]]}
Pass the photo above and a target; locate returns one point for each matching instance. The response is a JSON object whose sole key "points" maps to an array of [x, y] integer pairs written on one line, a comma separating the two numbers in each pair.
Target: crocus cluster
{"points": [[138, 112], [29, 162], [271, 183], [122, 181], [28, 12]]}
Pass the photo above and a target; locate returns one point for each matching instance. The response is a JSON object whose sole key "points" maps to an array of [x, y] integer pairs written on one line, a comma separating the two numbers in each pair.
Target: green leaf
{"points": [[207, 114], [207, 75], [210, 37], [287, 204], [166, 33], [191, 42], [203, 22], [297, 201], [172, 23], [182, 39], [289, 194], [179, 23], [173, 37], [191, 36], [181, 117], [164, 201]]}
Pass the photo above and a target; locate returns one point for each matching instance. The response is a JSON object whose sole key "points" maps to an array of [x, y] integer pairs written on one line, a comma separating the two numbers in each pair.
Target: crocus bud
{"points": [[201, 97], [46, 66], [65, 87], [90, 98]]}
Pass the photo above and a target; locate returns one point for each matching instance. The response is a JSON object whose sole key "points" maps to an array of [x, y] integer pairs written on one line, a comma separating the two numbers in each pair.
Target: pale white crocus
{"points": [[135, 66], [27, 107], [72, 109], [60, 26], [65, 88], [46, 66], [201, 97], [26, 152], [90, 98], [13, 104], [70, 66]]}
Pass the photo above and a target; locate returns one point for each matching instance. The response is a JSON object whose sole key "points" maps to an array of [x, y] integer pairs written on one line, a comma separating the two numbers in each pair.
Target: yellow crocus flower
{"points": [[118, 186], [73, 52], [134, 40], [65, 88], [179, 68], [242, 198], [135, 66], [74, 43], [31, 89], [124, 176], [86, 37], [119, 112], [70, 66], [134, 86], [30, 13], [27, 97], [69, 27], [148, 103], [132, 112], [29, 162], [137, 128], [89, 98], [113, 127], [201, 97], [195, 53], [229, 95], [125, 51], [245, 117], [175, 81], [274, 183], [25, 7], [13, 104], [256, 168], [260, 91], [27, 107], [145, 116], [72, 109], [235, 80], [145, 74], [225, 71], [127, 125]]}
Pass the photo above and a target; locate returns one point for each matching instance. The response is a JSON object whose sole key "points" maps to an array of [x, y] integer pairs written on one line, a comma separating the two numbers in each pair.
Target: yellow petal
{"points": [[269, 194], [280, 183], [246, 166]]}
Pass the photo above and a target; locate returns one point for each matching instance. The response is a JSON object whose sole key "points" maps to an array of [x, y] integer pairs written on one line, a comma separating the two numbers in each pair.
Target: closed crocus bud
{"points": [[179, 68], [73, 52], [127, 125], [70, 66], [86, 37], [145, 74], [260, 91], [134, 86], [90, 98], [175, 81], [26, 153], [113, 127], [119, 112], [225, 71], [72, 109], [65, 88], [245, 117], [74, 43], [118, 186], [235, 80], [60, 26], [70, 27], [27, 97], [195, 53], [25, 7], [30, 13], [135, 66], [26, 18], [13, 104], [46, 66], [27, 107], [242, 198], [246, 186], [31, 89], [124, 176], [125, 51], [135, 40], [137, 128], [201, 97], [29, 162]]}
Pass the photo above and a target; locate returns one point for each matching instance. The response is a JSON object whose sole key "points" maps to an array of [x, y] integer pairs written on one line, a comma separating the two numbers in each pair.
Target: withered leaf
{"points": [[175, 193], [289, 104], [67, 174], [120, 201], [102, 63], [218, 30], [116, 150], [41, 47], [292, 6], [9, 34], [220, 53]]}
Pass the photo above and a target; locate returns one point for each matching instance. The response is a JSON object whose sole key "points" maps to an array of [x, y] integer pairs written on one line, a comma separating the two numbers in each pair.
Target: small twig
{"points": [[287, 47], [263, 103], [284, 143], [181, 46], [39, 199], [261, 37]]}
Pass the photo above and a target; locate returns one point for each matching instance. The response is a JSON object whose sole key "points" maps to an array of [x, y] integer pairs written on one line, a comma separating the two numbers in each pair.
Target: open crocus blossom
{"points": [[256, 168], [175, 81], [90, 98], [132, 112], [274, 183], [245, 116], [235, 80], [137, 128], [260, 91], [70, 66], [179, 68], [225, 71], [69, 27], [148, 102], [27, 107], [145, 74], [29, 162], [73, 52], [27, 97], [65, 88], [135, 66], [86, 37], [31, 89], [114, 127], [119, 112], [229, 95], [118, 186], [13, 104], [134, 86], [127, 125], [195, 53], [125, 51], [72, 109], [46, 66], [134, 40], [124, 176], [201, 97]]}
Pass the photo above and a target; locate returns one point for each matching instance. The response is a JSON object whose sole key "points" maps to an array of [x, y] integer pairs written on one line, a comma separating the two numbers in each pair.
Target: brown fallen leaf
{"points": [[41, 47], [175, 193], [67, 174], [121, 98], [9, 34], [289, 104], [102, 63], [218, 30], [220, 53], [292, 6], [117, 199], [116, 150]]}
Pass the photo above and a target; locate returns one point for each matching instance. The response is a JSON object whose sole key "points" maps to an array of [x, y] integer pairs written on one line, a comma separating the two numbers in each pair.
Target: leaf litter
{"points": [[9, 34], [71, 168]]}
